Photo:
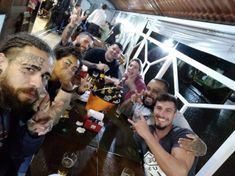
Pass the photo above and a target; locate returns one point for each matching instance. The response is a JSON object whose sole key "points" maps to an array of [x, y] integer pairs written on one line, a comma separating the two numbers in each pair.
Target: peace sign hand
{"points": [[137, 97], [75, 18], [43, 120], [140, 126]]}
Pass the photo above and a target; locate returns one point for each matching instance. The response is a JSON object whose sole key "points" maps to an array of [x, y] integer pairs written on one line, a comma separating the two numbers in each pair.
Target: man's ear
{"points": [[3, 62]]}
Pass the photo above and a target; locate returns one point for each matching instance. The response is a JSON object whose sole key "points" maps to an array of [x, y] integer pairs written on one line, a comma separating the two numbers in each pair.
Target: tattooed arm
{"points": [[67, 33], [75, 20]]}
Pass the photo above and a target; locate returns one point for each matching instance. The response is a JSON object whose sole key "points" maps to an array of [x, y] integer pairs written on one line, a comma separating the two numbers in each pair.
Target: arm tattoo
{"points": [[70, 31]]}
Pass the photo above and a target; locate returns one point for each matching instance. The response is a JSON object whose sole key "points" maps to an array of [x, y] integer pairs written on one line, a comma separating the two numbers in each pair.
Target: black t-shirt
{"points": [[52, 88], [96, 56]]}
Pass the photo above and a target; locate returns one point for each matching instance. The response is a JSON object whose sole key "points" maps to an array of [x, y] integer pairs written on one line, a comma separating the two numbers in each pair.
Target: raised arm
{"points": [[75, 20]]}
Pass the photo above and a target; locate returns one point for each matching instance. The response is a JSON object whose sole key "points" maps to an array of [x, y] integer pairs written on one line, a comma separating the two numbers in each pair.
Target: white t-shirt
{"points": [[97, 17], [151, 167]]}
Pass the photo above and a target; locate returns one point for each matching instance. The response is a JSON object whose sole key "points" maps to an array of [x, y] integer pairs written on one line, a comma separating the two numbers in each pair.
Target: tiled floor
{"points": [[52, 38], [39, 25]]}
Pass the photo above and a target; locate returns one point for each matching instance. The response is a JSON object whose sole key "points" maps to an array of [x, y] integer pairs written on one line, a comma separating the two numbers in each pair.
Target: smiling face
{"points": [[84, 41], [164, 112], [154, 89], [133, 69], [113, 52], [25, 74]]}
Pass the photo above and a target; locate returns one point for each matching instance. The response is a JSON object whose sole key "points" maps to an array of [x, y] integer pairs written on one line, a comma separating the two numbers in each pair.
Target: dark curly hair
{"points": [[168, 97], [22, 39], [61, 52]]}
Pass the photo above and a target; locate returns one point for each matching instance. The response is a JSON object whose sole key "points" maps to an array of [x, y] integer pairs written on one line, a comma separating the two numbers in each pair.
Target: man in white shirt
{"points": [[96, 19]]}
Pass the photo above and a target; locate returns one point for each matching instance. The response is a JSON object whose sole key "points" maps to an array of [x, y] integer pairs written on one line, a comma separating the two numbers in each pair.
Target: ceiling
{"points": [[214, 11]]}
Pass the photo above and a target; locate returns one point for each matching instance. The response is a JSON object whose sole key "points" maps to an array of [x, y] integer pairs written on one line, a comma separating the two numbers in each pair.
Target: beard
{"points": [[146, 104], [159, 127], [9, 98]]}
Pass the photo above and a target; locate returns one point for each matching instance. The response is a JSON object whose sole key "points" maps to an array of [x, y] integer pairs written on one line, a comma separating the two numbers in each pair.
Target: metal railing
{"points": [[227, 148]]}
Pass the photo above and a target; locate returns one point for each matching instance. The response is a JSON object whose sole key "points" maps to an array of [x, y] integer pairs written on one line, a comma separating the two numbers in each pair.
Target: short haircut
{"points": [[139, 63], [168, 97], [86, 33], [22, 39], [61, 52], [87, 12], [104, 6], [165, 84], [118, 44]]}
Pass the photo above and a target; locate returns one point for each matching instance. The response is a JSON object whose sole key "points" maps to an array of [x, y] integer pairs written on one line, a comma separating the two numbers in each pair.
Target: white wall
{"points": [[92, 5], [2, 17], [85, 5]]}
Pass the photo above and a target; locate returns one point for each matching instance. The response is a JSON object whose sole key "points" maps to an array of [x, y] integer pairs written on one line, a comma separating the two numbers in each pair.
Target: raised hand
{"points": [[43, 120], [84, 85], [137, 97], [193, 144], [75, 18], [140, 126]]}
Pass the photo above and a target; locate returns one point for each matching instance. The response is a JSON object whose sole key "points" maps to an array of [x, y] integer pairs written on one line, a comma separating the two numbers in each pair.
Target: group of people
{"points": [[35, 88], [58, 13], [162, 132], [94, 23]]}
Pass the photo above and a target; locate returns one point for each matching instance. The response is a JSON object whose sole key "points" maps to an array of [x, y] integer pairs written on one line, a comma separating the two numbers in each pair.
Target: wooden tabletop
{"points": [[104, 154]]}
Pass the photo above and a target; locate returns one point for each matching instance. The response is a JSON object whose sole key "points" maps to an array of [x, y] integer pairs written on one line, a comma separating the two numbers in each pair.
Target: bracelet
{"points": [[79, 93], [67, 91]]}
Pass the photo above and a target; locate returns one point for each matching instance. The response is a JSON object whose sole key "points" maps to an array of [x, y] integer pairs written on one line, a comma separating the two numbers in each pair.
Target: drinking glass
{"points": [[68, 161], [127, 172], [66, 112]]}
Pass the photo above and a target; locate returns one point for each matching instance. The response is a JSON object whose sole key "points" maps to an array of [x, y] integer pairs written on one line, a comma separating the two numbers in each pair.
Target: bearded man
{"points": [[158, 143], [25, 67]]}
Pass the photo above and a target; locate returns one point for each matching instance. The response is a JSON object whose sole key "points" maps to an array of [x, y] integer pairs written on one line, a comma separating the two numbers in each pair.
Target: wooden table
{"points": [[104, 154]]}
